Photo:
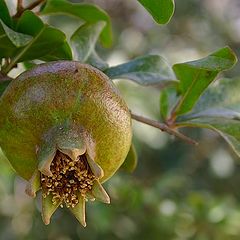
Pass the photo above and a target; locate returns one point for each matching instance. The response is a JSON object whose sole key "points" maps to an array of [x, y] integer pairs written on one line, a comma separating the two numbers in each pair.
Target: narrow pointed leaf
{"points": [[146, 70], [79, 211], [197, 75], [130, 162], [87, 12], [161, 10]]}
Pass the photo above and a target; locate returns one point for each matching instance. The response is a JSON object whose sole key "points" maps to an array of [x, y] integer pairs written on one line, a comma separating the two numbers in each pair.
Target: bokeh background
{"points": [[177, 192]]}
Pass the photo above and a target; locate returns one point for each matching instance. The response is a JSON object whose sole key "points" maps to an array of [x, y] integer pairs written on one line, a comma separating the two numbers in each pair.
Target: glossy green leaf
{"points": [[4, 13], [49, 43], [17, 38], [3, 86], [29, 23], [219, 110], [7, 48], [87, 12], [84, 39], [161, 10], [130, 162], [46, 41], [146, 70], [196, 76]]}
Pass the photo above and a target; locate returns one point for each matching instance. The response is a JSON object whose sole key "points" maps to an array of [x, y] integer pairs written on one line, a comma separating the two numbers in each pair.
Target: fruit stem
{"points": [[163, 127]]}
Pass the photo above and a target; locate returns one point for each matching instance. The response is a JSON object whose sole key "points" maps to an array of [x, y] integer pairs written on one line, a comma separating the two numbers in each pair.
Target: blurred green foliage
{"points": [[178, 191]]}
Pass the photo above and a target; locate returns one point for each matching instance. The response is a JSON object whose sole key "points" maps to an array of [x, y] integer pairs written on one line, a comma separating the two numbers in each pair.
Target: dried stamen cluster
{"points": [[69, 178]]}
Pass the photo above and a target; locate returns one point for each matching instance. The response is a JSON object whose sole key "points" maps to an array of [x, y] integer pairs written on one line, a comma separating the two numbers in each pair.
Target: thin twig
{"points": [[19, 5], [163, 127], [31, 6]]}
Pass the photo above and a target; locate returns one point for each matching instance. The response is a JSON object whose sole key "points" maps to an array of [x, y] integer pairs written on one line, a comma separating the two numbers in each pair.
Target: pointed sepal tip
{"points": [[48, 208], [99, 192], [79, 211]]}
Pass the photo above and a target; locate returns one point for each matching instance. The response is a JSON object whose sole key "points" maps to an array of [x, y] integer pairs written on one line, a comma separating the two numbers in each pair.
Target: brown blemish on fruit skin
{"points": [[86, 98]]}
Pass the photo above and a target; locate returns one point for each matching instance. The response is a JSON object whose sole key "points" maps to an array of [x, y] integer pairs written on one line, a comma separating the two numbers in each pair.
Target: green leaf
{"points": [[168, 97], [29, 64], [96, 61], [7, 48], [49, 43], [3, 86], [46, 41], [219, 101], [17, 38], [197, 75], [164, 105], [219, 110], [4, 13], [224, 94], [64, 51], [83, 43], [130, 162], [84, 39], [227, 128], [29, 23], [87, 12], [146, 70], [161, 10]]}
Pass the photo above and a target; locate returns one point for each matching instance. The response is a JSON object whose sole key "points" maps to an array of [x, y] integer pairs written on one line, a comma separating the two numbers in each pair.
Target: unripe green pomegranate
{"points": [[65, 129]]}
